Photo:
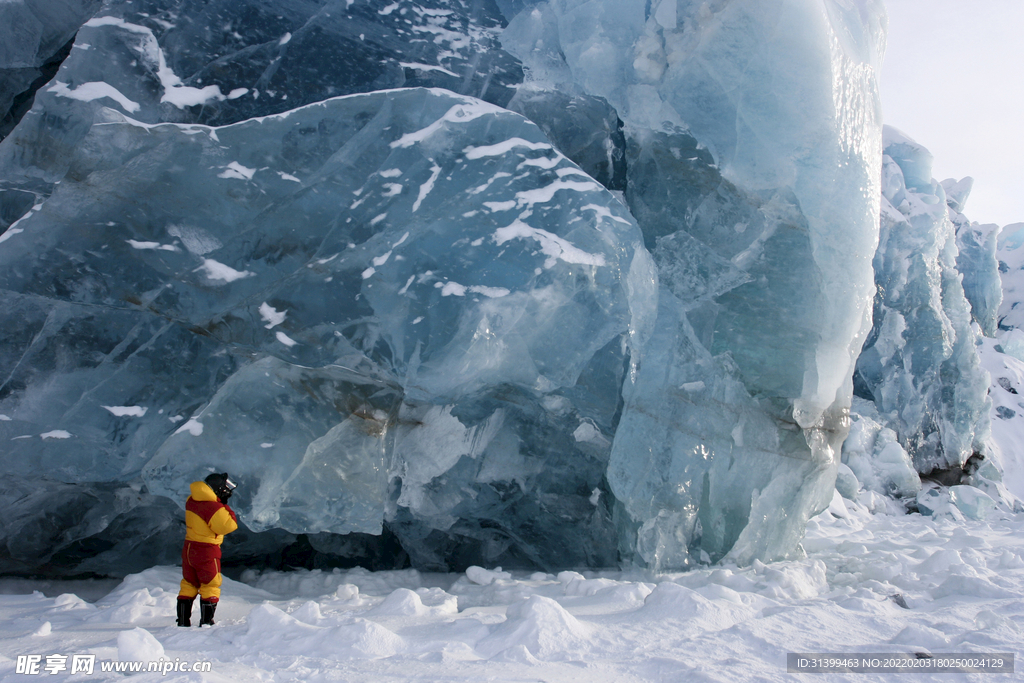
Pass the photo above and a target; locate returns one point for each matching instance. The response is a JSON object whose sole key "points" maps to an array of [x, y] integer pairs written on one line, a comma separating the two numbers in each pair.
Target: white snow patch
{"points": [[151, 245], [390, 173], [405, 288], [543, 163], [285, 339], [502, 148], [138, 644], [153, 56], [426, 187], [237, 171], [459, 113], [10, 232], [490, 181], [603, 212], [902, 583], [572, 170], [95, 90], [552, 245], [452, 288], [56, 434], [215, 270], [543, 195], [193, 427], [485, 577], [126, 411], [491, 292], [271, 315], [587, 432]]}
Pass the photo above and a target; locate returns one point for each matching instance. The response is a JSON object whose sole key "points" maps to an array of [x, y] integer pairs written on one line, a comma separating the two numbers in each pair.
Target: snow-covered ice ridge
{"points": [[880, 581], [532, 284]]}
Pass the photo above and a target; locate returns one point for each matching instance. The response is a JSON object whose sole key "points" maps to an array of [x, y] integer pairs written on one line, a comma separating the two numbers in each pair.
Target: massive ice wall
{"points": [[410, 308], [753, 145], [919, 365], [341, 302]]}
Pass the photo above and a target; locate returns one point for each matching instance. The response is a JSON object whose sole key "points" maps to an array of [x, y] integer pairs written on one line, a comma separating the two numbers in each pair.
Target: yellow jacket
{"points": [[206, 518]]}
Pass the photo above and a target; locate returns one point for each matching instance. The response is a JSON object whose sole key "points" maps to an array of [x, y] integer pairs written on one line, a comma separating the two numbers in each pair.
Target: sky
{"points": [[953, 80]]}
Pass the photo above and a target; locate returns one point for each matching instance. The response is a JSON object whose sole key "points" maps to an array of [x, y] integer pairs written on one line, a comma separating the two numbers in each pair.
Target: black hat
{"points": [[221, 485]]}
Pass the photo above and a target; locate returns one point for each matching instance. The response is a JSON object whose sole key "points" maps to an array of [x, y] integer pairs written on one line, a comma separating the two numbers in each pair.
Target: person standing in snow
{"points": [[207, 519]]}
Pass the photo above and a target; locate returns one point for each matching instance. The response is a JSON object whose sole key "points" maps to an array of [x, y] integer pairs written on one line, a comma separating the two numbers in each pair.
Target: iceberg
{"points": [[553, 284], [920, 364]]}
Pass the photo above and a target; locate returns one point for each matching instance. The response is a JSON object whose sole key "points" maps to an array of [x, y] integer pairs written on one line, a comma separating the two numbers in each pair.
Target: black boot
{"points": [[206, 610], [185, 611]]}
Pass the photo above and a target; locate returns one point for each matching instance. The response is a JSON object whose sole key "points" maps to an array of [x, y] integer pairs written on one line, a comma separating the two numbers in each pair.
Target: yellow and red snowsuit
{"points": [[206, 521]]}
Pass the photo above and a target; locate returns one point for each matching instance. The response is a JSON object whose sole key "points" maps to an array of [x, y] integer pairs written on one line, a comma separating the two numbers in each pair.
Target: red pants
{"points": [[200, 569]]}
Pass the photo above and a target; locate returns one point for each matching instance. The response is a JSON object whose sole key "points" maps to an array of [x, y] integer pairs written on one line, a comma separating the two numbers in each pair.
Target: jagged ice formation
{"points": [[919, 365], [540, 284]]}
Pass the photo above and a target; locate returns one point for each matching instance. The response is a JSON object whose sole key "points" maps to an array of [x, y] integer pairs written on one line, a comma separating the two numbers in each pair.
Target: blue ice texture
{"points": [[357, 296], [763, 244], [920, 365], [549, 284]]}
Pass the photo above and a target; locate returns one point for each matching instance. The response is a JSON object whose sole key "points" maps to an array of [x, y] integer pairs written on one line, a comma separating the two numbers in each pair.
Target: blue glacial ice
{"points": [[35, 37], [752, 157], [1010, 257], [220, 62], [387, 290], [875, 456], [919, 365], [534, 284]]}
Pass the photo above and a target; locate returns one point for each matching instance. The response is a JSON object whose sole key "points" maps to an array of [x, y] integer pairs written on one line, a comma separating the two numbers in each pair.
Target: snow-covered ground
{"points": [[874, 580]]}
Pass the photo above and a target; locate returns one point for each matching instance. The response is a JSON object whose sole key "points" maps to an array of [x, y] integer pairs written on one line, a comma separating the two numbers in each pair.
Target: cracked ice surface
{"points": [[753, 139], [346, 345], [920, 365], [427, 317], [215, 63]]}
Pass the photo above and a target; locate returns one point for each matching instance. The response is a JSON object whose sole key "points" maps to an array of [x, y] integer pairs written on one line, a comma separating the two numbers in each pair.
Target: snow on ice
{"points": [[591, 291]]}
